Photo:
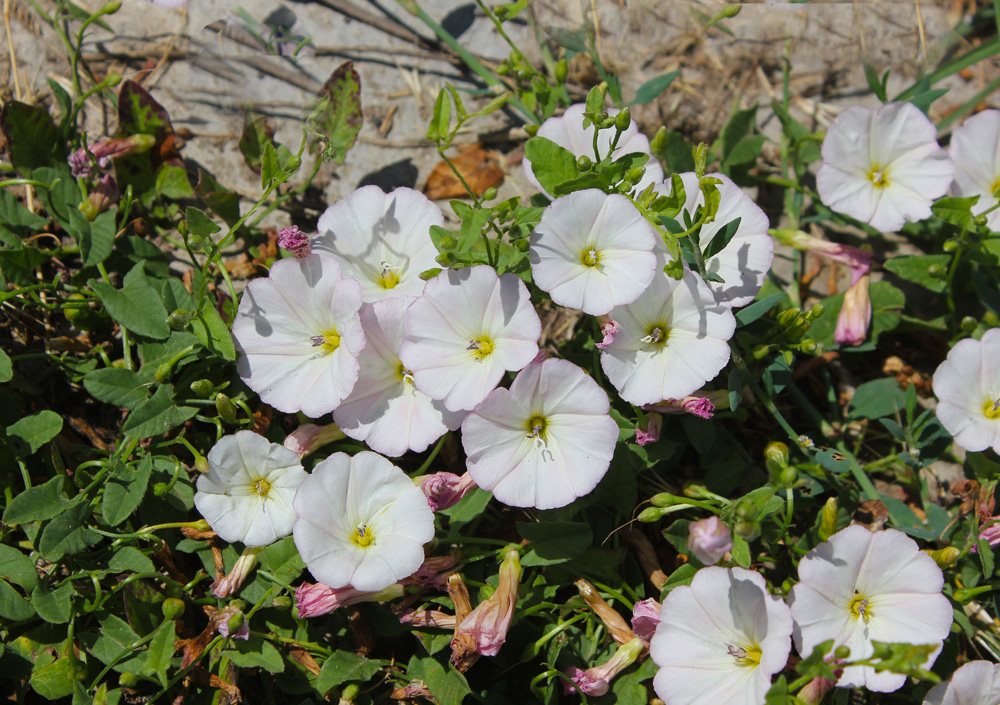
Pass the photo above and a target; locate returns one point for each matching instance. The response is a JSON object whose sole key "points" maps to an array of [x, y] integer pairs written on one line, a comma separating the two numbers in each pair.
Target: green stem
{"points": [[430, 458]]}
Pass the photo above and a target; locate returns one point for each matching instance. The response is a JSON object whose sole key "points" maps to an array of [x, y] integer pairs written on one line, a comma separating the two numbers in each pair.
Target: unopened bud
{"points": [[969, 324], [980, 221], [160, 489], [650, 514], [112, 80], [562, 70], [815, 312], [282, 602], [172, 608], [776, 453], [807, 346], [665, 499], [623, 120], [203, 388], [490, 193], [226, 408], [635, 174], [747, 530], [182, 228], [522, 244], [950, 245], [164, 371], [730, 10], [946, 557], [659, 141], [842, 652], [788, 476], [584, 163], [448, 242], [350, 692], [110, 8], [625, 187], [828, 519], [294, 162], [991, 319], [446, 259], [235, 622], [430, 273], [179, 319], [936, 271], [788, 317], [744, 510], [762, 351], [607, 122]]}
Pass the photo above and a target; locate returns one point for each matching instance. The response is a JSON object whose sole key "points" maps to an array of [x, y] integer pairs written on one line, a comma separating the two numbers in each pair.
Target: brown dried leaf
{"points": [[872, 514], [479, 168], [304, 659]]}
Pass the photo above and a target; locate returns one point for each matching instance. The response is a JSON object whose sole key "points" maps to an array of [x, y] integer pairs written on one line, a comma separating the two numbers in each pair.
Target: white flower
{"points": [[975, 149], [743, 263], [382, 240], [975, 683], [671, 340], [720, 640], [299, 336], [246, 495], [967, 385], [593, 251], [883, 167], [362, 522], [545, 441], [863, 586], [385, 409], [567, 131], [469, 327]]}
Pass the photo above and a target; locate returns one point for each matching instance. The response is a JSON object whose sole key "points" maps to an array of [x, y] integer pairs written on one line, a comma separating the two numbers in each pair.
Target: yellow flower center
{"points": [[878, 177], [535, 427], [995, 189], [590, 258], [481, 347], [388, 279], [991, 409], [403, 374], [860, 607], [329, 341], [656, 334], [362, 536], [745, 655], [262, 487]]}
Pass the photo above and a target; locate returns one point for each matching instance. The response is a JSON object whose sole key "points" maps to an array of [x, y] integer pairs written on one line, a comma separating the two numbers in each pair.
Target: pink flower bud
{"points": [[230, 621], [709, 539], [702, 404], [309, 437], [104, 195], [855, 315], [608, 329], [106, 150], [444, 489], [814, 690], [645, 617], [295, 241], [990, 532], [596, 681], [860, 261], [241, 569], [314, 599], [650, 434], [484, 630]]}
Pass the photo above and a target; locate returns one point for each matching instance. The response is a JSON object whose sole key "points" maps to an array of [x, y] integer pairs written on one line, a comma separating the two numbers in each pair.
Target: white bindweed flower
{"points": [[385, 409], [568, 131], [883, 167], [593, 251], [720, 639], [671, 340], [299, 335], [361, 522], [967, 385], [975, 683], [975, 149], [381, 239], [743, 263], [863, 586], [246, 495], [468, 328], [545, 441]]}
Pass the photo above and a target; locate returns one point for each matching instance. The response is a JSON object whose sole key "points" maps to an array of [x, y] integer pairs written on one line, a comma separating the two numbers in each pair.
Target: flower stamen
{"points": [[362, 536], [329, 341], [991, 409], [860, 607], [262, 487], [591, 257], [388, 279], [745, 656], [481, 347], [655, 336], [878, 177]]}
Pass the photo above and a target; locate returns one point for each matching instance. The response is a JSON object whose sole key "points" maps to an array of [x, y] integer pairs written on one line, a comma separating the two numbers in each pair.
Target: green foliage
{"points": [[337, 119]]}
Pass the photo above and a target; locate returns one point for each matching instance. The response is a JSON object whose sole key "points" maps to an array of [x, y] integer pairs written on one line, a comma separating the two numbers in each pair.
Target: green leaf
{"points": [[160, 651], [55, 680], [12, 605], [440, 125], [255, 653], [32, 432], [66, 534], [924, 99], [554, 542], [887, 305], [878, 398], [745, 151], [122, 497], [256, 134], [37, 503], [758, 309], [282, 560], [957, 211], [653, 88], [137, 306], [171, 181], [213, 333], [446, 684], [116, 386], [682, 576], [338, 118], [157, 415], [130, 560], [676, 153], [741, 551], [54, 606], [913, 268], [877, 86], [739, 126], [62, 196], [721, 239], [32, 137], [270, 165], [551, 164], [344, 667], [199, 223], [18, 265], [17, 567], [98, 237], [222, 202], [111, 640]]}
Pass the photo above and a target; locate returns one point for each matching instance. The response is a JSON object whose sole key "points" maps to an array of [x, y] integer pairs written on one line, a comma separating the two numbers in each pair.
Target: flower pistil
{"points": [[590, 257], [991, 409], [329, 341], [657, 335], [878, 176], [745, 655], [362, 536], [481, 347], [861, 607]]}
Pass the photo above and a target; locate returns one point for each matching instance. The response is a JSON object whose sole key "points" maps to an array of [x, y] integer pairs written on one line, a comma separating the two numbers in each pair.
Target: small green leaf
{"points": [[32, 432], [554, 542], [338, 118], [32, 137], [96, 238], [270, 165], [130, 560], [255, 653], [12, 605], [161, 650], [157, 415], [213, 333], [914, 268], [55, 680], [344, 667], [116, 386], [876, 85], [54, 606], [745, 151], [740, 125], [37, 503], [875, 399], [66, 534], [957, 211], [199, 223], [654, 87], [551, 164], [256, 134], [741, 551], [137, 306], [17, 567], [440, 124], [122, 497], [758, 309]]}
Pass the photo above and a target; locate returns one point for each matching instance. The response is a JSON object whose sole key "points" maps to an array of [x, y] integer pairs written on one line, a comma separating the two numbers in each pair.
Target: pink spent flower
{"points": [[295, 241], [651, 433], [645, 617], [855, 314], [309, 437], [314, 599], [444, 489], [596, 681], [484, 629], [709, 539], [608, 330]]}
